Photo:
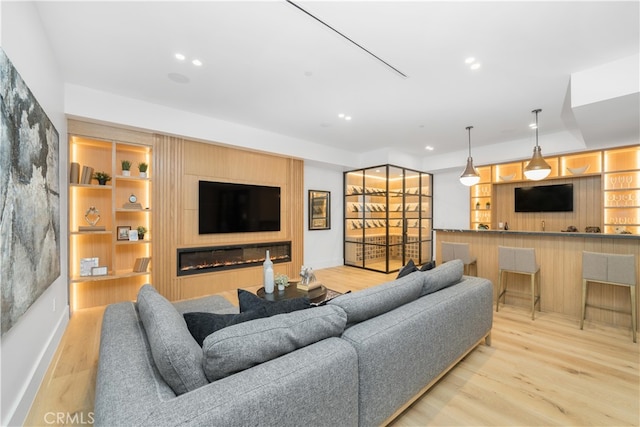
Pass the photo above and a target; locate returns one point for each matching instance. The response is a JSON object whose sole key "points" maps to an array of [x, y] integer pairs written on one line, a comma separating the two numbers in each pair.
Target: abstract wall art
{"points": [[29, 197]]}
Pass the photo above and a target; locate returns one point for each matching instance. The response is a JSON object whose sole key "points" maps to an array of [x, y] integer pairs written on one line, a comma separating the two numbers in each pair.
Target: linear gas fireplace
{"points": [[216, 258]]}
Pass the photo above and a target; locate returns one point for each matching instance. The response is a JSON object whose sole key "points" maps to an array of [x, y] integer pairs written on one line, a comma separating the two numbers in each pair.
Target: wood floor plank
{"points": [[545, 372]]}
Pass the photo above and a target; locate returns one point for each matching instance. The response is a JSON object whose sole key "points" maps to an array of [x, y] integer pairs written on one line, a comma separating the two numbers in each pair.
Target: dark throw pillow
{"points": [[248, 302], [428, 266], [407, 269], [201, 325]]}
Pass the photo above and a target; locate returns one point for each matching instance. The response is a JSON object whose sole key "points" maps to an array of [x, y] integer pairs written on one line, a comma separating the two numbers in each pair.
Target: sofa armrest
{"points": [[315, 385], [403, 350]]}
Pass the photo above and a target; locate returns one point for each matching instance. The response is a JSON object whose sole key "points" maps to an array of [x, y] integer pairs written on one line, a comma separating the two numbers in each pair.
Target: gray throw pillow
{"points": [[239, 347], [442, 276], [176, 354], [371, 302]]}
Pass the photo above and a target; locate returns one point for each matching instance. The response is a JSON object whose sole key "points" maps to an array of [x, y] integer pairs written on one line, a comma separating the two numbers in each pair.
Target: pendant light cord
{"points": [[469, 131], [536, 111]]}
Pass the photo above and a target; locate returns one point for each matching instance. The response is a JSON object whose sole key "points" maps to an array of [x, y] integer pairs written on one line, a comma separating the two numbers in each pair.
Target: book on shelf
{"points": [[141, 264], [309, 286], [136, 206], [74, 173], [87, 175], [86, 228]]}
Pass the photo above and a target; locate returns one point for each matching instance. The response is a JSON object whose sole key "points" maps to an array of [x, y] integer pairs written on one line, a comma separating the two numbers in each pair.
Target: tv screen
{"points": [[237, 208], [544, 198]]}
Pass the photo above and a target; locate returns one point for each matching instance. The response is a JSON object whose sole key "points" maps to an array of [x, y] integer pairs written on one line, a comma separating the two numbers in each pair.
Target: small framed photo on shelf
{"points": [[123, 232], [87, 265], [133, 235], [99, 271]]}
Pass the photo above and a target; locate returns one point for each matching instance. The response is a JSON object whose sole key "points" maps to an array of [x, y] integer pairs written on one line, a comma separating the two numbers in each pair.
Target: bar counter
{"points": [[560, 257]]}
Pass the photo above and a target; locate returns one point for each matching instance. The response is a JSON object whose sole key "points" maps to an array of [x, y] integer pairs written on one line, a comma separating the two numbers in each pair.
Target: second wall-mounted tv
{"points": [[544, 198], [225, 207]]}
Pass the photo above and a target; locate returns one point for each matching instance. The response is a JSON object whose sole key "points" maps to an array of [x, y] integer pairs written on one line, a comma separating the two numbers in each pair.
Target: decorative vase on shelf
{"points": [[268, 274], [92, 216], [488, 205], [478, 205]]}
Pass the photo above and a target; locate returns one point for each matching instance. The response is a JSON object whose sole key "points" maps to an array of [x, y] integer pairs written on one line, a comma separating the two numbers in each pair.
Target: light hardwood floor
{"points": [[536, 373]]}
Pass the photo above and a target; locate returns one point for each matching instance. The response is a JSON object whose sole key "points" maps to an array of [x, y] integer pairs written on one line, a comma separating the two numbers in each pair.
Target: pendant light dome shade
{"points": [[470, 176], [537, 168]]}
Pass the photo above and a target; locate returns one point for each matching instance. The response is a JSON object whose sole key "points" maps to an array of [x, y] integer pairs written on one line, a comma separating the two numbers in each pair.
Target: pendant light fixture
{"points": [[537, 168], [470, 176]]}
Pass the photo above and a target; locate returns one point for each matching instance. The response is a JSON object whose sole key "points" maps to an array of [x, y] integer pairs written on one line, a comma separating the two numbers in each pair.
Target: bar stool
{"points": [[451, 251], [609, 269], [518, 261]]}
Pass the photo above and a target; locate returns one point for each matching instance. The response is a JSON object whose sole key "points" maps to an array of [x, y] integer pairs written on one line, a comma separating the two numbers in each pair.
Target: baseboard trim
{"points": [[18, 414]]}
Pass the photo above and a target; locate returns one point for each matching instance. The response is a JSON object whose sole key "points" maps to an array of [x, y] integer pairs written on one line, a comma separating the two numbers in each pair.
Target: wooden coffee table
{"points": [[315, 296]]}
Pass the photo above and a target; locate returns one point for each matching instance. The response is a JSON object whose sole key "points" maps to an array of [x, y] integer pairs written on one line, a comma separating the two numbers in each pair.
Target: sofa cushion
{"points": [[176, 354], [202, 324], [249, 302], [374, 301], [444, 275], [408, 268], [239, 347]]}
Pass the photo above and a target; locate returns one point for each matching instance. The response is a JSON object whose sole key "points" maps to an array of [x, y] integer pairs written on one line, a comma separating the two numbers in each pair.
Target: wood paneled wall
{"points": [[183, 164], [560, 259], [587, 207], [177, 165]]}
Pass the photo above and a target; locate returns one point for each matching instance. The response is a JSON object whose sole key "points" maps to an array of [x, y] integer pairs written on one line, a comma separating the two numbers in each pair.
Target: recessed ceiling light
{"points": [[180, 57], [347, 117], [469, 60], [341, 115], [428, 148], [475, 66], [532, 125], [196, 62]]}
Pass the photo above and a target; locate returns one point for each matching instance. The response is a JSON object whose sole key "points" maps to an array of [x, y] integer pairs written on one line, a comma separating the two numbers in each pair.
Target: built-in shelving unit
{"points": [[613, 174], [387, 217], [621, 182], [108, 242]]}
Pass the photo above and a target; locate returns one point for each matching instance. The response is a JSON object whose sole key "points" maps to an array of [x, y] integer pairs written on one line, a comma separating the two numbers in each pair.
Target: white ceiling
{"points": [[269, 65]]}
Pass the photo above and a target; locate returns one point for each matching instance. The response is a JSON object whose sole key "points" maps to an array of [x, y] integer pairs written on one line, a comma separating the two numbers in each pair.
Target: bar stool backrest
{"points": [[451, 251], [612, 268], [517, 259]]}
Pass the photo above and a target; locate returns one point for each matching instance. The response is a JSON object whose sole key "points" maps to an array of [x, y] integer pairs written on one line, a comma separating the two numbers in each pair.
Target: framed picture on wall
{"points": [[319, 210], [123, 232]]}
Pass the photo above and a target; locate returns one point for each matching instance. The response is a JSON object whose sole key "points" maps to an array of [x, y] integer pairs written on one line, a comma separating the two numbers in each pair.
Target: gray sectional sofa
{"points": [[357, 361]]}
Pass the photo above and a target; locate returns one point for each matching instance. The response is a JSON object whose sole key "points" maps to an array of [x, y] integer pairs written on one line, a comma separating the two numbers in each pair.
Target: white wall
{"points": [[28, 347], [323, 248], [450, 201]]}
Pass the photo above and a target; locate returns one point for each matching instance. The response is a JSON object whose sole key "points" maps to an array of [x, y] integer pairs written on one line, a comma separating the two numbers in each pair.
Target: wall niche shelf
{"points": [[118, 256]]}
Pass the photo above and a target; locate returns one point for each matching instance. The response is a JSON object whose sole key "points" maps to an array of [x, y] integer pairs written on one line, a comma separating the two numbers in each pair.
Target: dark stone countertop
{"points": [[546, 233]]}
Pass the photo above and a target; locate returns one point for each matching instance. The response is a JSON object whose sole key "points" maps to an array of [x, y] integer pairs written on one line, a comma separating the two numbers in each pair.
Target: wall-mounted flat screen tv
{"points": [[544, 198], [225, 207]]}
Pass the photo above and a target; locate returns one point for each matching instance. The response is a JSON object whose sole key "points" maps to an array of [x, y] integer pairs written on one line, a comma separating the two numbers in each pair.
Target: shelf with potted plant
{"points": [[115, 163]]}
